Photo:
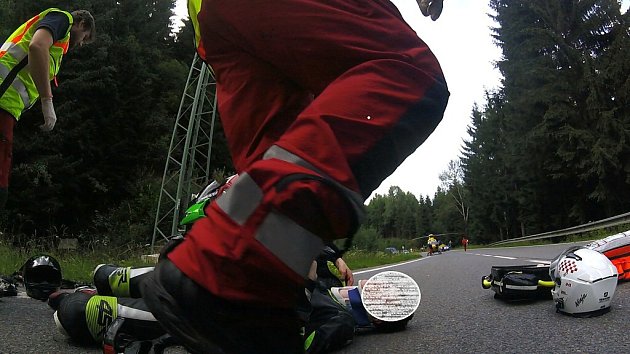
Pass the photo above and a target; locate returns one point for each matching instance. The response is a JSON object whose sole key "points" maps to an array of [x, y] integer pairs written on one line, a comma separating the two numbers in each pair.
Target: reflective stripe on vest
{"points": [[14, 50], [17, 85], [18, 52], [12, 53], [17, 37], [5, 47]]}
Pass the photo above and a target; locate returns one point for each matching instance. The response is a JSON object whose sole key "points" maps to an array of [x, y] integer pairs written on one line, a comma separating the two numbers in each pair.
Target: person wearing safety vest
{"points": [[29, 59], [320, 101], [431, 245]]}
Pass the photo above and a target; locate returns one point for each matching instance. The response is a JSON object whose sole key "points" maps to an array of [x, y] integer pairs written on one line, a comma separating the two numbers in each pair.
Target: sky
{"points": [[461, 40]]}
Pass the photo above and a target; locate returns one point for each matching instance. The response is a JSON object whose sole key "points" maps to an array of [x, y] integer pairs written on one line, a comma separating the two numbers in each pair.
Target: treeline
{"points": [[548, 149], [551, 147]]}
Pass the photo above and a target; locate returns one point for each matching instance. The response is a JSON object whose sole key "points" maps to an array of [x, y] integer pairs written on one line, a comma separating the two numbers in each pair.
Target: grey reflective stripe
{"points": [[522, 287], [240, 200], [17, 52], [291, 243], [135, 314], [134, 272], [17, 85], [276, 152]]}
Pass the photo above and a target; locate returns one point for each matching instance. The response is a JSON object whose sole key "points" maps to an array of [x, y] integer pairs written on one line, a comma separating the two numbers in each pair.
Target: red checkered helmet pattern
{"points": [[568, 266]]}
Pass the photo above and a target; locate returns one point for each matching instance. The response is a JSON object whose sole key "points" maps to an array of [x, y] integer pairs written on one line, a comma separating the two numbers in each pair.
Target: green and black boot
{"points": [[112, 280]]}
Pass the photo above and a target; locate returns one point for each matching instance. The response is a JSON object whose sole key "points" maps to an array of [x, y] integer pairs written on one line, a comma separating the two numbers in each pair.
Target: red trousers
{"points": [[7, 122], [345, 85]]}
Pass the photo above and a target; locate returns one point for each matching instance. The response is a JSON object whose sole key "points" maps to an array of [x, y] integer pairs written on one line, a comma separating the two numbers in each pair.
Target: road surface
{"points": [[456, 315]]}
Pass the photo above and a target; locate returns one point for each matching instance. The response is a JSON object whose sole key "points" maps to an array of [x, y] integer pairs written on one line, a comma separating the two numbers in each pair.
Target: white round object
{"points": [[391, 296]]}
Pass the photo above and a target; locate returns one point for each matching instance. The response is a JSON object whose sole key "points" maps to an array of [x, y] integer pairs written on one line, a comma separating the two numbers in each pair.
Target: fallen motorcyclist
{"points": [[331, 317]]}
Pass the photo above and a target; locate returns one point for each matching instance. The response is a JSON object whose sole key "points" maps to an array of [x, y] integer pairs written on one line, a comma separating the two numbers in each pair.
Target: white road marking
{"points": [[538, 261], [389, 266], [492, 255], [505, 257]]}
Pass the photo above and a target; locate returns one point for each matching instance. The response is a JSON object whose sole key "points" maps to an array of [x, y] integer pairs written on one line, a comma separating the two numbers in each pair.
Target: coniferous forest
{"points": [[548, 149]]}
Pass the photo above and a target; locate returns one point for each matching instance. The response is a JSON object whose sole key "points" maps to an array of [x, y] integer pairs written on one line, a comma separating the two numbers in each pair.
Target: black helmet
{"points": [[42, 276]]}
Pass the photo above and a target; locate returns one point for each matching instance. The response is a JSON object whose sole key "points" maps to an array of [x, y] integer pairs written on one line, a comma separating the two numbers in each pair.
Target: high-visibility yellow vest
{"points": [[22, 93], [194, 7]]}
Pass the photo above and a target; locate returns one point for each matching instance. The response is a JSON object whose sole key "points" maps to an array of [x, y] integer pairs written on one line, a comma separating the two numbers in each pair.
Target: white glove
{"points": [[431, 8], [50, 118]]}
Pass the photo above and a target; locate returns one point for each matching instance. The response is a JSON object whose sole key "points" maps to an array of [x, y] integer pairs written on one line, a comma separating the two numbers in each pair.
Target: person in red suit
{"points": [[320, 101]]}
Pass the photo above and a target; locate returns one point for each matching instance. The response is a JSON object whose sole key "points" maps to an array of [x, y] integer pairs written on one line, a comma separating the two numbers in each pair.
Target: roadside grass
{"points": [[10, 260], [357, 259], [75, 265], [78, 265]]}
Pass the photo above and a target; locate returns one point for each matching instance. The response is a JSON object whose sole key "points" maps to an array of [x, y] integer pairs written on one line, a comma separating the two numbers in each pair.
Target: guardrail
{"points": [[594, 225]]}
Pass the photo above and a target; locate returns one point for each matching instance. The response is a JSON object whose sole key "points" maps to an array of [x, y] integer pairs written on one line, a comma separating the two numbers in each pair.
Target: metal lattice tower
{"points": [[187, 167]]}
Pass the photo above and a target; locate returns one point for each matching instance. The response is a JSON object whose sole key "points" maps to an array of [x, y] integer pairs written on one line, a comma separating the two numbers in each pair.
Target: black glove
{"points": [[431, 8]]}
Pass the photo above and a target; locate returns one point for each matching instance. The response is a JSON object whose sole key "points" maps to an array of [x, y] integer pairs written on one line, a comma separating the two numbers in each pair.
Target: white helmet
{"points": [[585, 282]]}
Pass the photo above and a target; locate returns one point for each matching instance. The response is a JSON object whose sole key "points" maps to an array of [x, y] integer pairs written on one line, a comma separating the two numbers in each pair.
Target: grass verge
{"points": [[357, 259], [75, 265], [78, 265]]}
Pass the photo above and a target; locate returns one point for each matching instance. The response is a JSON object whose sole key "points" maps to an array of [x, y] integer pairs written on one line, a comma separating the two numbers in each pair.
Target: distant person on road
{"points": [[29, 59], [465, 243], [432, 245]]}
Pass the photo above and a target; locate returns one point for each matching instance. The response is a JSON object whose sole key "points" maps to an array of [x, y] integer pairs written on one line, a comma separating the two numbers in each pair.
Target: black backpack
{"points": [[514, 283]]}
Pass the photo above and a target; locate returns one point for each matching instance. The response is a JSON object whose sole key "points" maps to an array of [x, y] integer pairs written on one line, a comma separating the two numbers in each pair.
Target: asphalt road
{"points": [[456, 315]]}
